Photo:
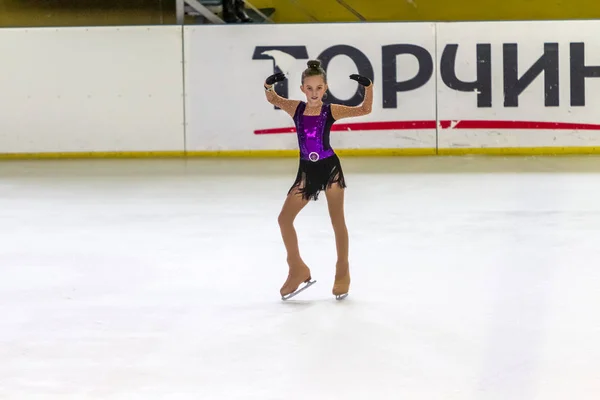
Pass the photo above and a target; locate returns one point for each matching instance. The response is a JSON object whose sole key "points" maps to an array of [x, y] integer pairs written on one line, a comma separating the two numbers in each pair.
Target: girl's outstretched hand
{"points": [[363, 80], [275, 78]]}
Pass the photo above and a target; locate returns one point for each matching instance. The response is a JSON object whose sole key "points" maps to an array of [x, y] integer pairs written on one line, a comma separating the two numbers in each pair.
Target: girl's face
{"points": [[314, 88]]}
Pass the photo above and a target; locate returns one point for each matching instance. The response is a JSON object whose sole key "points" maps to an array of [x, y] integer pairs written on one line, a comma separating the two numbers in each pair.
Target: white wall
{"points": [[121, 89], [91, 89]]}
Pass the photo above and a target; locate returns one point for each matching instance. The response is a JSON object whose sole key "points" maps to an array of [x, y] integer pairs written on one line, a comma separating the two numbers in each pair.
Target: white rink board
{"points": [[120, 89], [103, 89], [225, 100], [460, 107]]}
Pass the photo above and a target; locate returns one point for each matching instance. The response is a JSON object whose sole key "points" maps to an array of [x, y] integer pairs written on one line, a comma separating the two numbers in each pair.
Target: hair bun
{"points": [[315, 64]]}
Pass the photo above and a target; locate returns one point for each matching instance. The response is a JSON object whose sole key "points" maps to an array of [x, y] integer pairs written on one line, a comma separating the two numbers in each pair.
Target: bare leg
{"points": [[294, 203], [298, 270], [335, 203]]}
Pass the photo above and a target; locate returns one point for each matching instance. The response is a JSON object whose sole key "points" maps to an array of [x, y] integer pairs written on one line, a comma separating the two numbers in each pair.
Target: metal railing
{"points": [[207, 13], [211, 16], [30, 13], [313, 18], [351, 10]]}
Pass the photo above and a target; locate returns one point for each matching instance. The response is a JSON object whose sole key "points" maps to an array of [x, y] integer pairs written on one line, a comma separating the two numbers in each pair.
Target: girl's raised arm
{"points": [[287, 105], [339, 111]]}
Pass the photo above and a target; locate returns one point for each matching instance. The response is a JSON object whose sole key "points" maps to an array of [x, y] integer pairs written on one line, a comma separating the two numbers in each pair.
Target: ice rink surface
{"points": [[474, 278]]}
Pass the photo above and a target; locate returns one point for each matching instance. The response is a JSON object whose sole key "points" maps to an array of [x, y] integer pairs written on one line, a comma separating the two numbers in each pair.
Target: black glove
{"points": [[275, 78], [363, 80]]}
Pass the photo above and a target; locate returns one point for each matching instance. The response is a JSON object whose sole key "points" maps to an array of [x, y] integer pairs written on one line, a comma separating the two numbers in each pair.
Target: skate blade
{"points": [[306, 286], [341, 296]]}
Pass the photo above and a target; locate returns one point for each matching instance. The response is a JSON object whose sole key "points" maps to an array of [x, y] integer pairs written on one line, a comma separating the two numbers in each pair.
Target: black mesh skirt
{"points": [[314, 177]]}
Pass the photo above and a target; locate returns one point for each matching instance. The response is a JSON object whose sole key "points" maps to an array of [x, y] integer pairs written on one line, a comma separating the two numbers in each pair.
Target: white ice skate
{"points": [[307, 284]]}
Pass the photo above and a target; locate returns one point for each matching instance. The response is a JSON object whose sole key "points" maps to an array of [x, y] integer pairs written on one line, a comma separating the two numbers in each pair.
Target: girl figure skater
{"points": [[319, 170]]}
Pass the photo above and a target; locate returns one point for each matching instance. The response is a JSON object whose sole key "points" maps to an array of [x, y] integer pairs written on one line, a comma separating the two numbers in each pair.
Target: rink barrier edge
{"points": [[390, 152], [92, 154], [519, 151], [214, 153], [294, 153]]}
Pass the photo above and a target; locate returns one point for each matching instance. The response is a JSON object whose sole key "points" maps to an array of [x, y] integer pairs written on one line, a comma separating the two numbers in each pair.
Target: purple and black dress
{"points": [[319, 165]]}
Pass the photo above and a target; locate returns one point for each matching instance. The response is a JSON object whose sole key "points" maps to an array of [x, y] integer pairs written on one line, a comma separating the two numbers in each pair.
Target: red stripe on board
{"points": [[274, 131], [446, 124], [361, 126], [384, 126], [516, 125]]}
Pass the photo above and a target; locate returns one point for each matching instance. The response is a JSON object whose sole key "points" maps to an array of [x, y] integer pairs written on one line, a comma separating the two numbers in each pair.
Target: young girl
{"points": [[319, 170]]}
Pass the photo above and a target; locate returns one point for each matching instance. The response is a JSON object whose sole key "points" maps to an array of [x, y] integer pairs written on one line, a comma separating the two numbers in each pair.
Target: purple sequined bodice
{"points": [[311, 132]]}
